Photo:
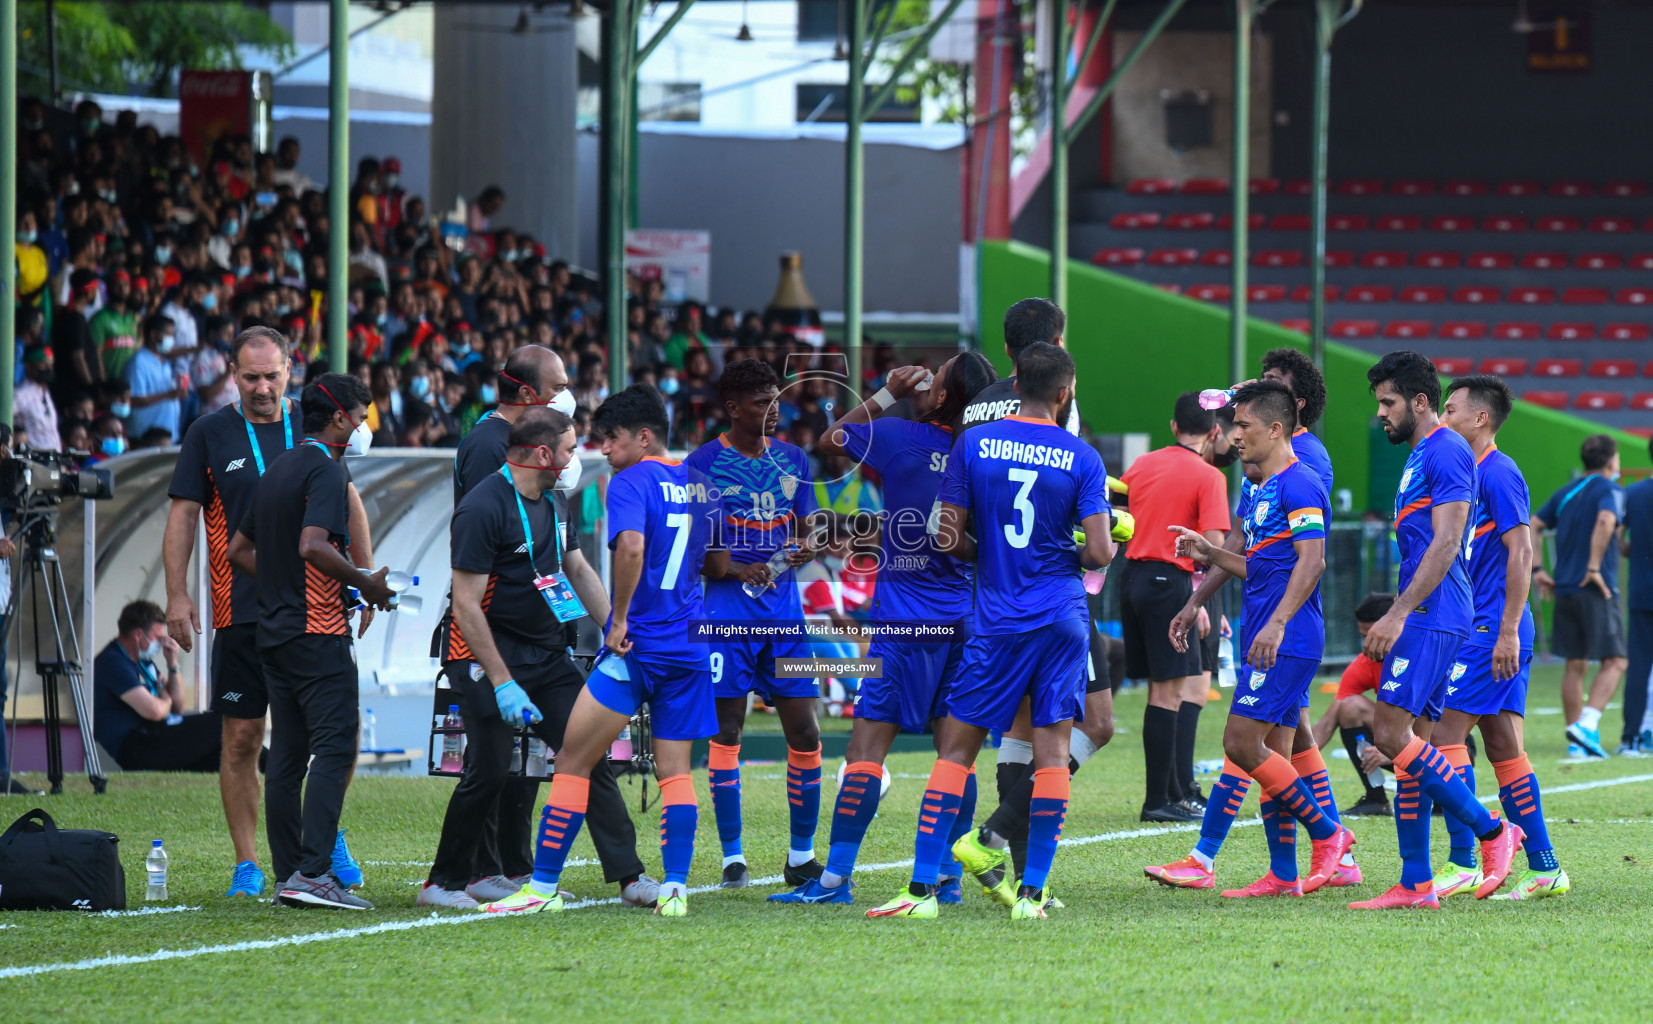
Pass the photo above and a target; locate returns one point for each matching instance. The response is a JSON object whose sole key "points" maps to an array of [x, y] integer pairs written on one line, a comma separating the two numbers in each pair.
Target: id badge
{"points": [[559, 594]]}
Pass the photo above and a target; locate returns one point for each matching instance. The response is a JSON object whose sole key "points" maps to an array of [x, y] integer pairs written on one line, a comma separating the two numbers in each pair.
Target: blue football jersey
{"points": [[915, 580], [762, 498], [1502, 503], [678, 512], [1312, 453], [1027, 483], [1440, 470], [1289, 506]]}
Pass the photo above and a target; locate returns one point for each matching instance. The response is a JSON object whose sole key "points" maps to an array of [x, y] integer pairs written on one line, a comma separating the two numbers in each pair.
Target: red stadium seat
{"points": [[1359, 187], [1190, 221], [1476, 295], [1353, 329], [1516, 331], [1544, 261], [1277, 258], [1599, 401], [1557, 225], [1463, 330], [1572, 188], [1369, 293], [1398, 222], [1254, 221], [1172, 257], [1584, 297], [1134, 220], [1151, 186], [1453, 366], [1301, 293], [1504, 223], [1295, 324], [1297, 187], [1289, 222], [1623, 189], [1640, 261], [1438, 260], [1491, 260], [1407, 329], [1504, 367], [1452, 222], [1519, 188], [1547, 399], [1567, 330], [1558, 368], [1613, 368], [1634, 296], [1216, 258], [1263, 186], [1339, 258], [1531, 296], [1347, 222], [1383, 258], [1117, 257], [1464, 188], [1209, 292], [1412, 187], [1598, 261], [1613, 225], [1624, 332], [1266, 293], [1205, 187], [1423, 293], [1642, 432], [1642, 400]]}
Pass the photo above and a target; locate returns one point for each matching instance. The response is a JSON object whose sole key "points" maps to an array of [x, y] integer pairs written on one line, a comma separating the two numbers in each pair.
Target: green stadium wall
{"points": [[1138, 347]]}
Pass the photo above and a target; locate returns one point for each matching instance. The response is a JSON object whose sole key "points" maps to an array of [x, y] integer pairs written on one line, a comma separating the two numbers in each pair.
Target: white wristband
{"points": [[884, 398]]}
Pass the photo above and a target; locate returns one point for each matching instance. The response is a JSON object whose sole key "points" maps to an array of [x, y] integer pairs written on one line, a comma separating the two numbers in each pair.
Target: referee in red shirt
{"points": [[1171, 486]]}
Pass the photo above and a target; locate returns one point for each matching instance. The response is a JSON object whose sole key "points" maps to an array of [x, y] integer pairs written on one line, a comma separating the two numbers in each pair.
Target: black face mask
{"points": [[1222, 460]]}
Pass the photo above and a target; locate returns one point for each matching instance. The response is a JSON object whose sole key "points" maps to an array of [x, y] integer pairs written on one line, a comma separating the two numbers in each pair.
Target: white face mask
{"points": [[563, 402], [361, 439], [153, 651], [569, 478]]}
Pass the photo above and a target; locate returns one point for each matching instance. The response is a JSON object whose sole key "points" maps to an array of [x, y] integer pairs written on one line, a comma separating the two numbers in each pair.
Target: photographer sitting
{"points": [[138, 699]]}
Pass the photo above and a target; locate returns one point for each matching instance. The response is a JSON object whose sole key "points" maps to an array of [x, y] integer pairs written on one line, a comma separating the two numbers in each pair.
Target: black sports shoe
{"points": [[1194, 805], [11, 787], [735, 876], [796, 876], [1370, 807], [1168, 813]]}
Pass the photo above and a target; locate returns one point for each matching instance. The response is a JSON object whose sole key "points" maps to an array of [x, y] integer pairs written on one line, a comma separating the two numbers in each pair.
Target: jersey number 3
{"points": [[1019, 533]]}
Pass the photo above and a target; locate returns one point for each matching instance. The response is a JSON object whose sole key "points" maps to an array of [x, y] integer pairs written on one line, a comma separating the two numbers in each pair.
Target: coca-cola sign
{"points": [[212, 105]]}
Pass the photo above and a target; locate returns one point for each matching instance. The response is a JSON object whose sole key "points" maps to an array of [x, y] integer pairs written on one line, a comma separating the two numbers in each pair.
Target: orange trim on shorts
{"points": [[569, 792], [723, 757], [1456, 754], [803, 758], [948, 777], [1051, 784], [1512, 771], [678, 789], [1308, 762]]}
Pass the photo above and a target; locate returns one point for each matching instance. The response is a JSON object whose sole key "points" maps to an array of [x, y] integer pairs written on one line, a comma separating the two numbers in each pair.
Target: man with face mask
{"points": [[115, 327], [138, 700], [157, 392], [33, 405]]}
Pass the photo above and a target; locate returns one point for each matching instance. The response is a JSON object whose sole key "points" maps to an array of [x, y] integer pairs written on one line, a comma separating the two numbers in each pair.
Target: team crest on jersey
{"points": [[1257, 679], [789, 486], [1261, 513], [1399, 666], [476, 671], [1458, 670], [1405, 479]]}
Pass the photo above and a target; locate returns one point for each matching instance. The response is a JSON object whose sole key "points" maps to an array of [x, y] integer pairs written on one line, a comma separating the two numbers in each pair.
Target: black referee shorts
{"points": [[1154, 593], [1587, 626], [1211, 646]]}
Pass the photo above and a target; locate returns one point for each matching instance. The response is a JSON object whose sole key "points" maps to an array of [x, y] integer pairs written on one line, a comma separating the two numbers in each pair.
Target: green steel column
{"points": [[611, 186], [853, 189], [1325, 24], [1059, 88], [1239, 184], [8, 204], [633, 176], [338, 186]]}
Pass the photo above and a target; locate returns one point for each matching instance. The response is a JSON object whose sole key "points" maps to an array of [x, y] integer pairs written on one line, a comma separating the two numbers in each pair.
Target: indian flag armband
{"points": [[1306, 520]]}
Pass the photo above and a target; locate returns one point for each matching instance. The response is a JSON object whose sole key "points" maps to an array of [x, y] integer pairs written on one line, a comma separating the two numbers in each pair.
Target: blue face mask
{"points": [[420, 387], [669, 386], [232, 227], [242, 271], [121, 410], [163, 254], [487, 394], [293, 259], [25, 238], [209, 301], [112, 446]]}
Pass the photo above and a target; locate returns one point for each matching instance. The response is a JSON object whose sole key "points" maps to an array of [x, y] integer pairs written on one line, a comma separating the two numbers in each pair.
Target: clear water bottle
{"points": [[534, 766], [155, 864], [370, 731], [1373, 778], [1216, 398], [777, 564], [453, 759], [399, 583], [516, 754]]}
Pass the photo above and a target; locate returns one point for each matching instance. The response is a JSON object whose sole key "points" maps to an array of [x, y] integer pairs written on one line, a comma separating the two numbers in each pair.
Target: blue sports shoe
{"points": [[948, 890], [1588, 740], [247, 880], [813, 891], [345, 868]]}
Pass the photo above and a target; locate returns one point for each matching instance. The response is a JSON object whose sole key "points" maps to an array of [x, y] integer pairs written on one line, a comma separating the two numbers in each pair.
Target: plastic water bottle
{"points": [[1216, 398], [534, 766], [155, 864], [777, 564], [621, 750], [399, 582], [370, 731], [1373, 778], [452, 759]]}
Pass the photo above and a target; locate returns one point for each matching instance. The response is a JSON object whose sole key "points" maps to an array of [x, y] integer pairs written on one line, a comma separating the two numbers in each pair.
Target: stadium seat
{"points": [[1407, 329], [1585, 297], [1438, 260], [1598, 261], [1640, 261], [1359, 187], [1205, 187], [1453, 366], [1558, 368], [1572, 188], [1339, 258], [1190, 221], [1519, 188], [1599, 401], [1517, 331], [1612, 225], [1254, 221], [1624, 332], [1353, 329], [1623, 189], [1463, 330], [1151, 186], [1431, 293], [1476, 295], [1642, 432], [1491, 260], [1347, 222], [1301, 293], [1613, 368], [1505, 367], [1369, 293], [1642, 401], [1452, 222], [1530, 296], [1634, 296], [1172, 257], [1544, 261], [1216, 258], [1174, 289], [1266, 293], [1504, 223], [1134, 220], [1548, 399], [1557, 225], [1263, 186], [1568, 330], [1383, 258], [1277, 258], [1209, 292], [1398, 222], [1117, 257], [1464, 188], [1412, 187], [1296, 324], [1290, 222]]}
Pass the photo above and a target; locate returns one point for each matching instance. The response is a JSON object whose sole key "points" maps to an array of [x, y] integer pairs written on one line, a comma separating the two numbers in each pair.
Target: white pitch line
{"points": [[433, 920], [145, 911]]}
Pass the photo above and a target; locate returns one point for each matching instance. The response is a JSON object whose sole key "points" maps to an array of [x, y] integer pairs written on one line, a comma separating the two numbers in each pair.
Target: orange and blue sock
{"points": [[1518, 794], [560, 822], [1412, 806], [1462, 852], [723, 773], [966, 818], [1221, 807], [937, 813], [803, 799], [1280, 781], [679, 817], [1441, 782], [1311, 768], [1280, 829], [854, 810], [1051, 788]]}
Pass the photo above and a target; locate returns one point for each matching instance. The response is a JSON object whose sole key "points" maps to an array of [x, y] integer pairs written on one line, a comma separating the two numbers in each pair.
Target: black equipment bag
{"points": [[43, 867]]}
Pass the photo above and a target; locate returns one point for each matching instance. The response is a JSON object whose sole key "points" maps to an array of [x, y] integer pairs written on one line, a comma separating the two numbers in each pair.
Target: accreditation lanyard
{"points": [[252, 436], [558, 592], [147, 672]]}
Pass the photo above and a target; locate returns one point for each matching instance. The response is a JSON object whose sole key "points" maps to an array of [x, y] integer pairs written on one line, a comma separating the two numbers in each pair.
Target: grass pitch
{"points": [[1124, 949]]}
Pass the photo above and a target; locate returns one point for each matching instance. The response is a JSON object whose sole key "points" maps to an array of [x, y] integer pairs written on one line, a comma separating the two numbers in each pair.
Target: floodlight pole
{"points": [[1329, 16], [1239, 187], [854, 190], [8, 204], [1059, 90], [618, 43], [338, 186]]}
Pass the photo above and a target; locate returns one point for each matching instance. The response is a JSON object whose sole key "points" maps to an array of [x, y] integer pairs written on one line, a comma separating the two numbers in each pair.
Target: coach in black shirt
{"points": [[293, 540]]}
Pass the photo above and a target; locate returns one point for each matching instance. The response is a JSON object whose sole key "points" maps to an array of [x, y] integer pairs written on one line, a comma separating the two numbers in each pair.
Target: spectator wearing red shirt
{"points": [[1351, 712]]}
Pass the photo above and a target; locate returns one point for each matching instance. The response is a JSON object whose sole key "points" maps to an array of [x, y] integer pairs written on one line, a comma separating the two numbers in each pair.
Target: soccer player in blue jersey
{"points": [[1488, 682], [664, 521], [1027, 482], [917, 584], [1419, 638], [768, 502], [1283, 518]]}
